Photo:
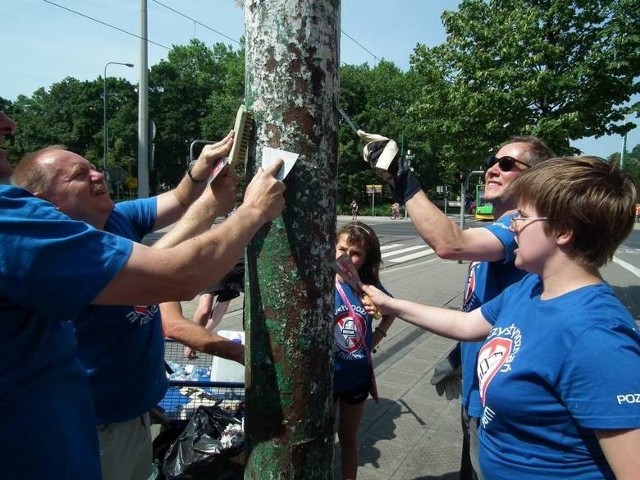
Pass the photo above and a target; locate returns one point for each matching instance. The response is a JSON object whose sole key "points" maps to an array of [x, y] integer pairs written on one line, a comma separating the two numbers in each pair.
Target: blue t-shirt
{"points": [[552, 371], [484, 282], [51, 267], [122, 347], [352, 339]]}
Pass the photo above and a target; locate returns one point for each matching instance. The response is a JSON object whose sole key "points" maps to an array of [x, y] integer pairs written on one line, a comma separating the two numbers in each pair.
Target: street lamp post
{"points": [[104, 113], [623, 152]]}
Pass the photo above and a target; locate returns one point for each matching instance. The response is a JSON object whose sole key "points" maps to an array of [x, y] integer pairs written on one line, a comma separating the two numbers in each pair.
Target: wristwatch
{"points": [[190, 175]]}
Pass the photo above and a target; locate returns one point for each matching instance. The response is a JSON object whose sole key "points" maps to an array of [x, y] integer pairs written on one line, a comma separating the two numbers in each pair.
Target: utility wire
{"points": [[198, 22], [105, 23], [360, 45], [236, 41], [191, 19]]}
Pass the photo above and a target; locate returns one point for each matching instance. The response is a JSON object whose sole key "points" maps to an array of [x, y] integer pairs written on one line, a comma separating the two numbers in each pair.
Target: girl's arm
{"points": [[385, 323], [382, 329], [621, 448], [196, 336], [448, 323]]}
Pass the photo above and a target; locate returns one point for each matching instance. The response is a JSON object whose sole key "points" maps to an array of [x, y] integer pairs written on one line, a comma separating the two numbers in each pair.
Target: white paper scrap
{"points": [[269, 155]]}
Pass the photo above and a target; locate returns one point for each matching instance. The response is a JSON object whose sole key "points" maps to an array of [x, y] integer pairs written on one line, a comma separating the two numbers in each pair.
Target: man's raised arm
{"points": [[436, 229], [155, 275], [174, 203]]}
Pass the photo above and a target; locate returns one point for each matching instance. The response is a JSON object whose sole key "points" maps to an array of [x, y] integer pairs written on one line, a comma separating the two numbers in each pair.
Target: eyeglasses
{"points": [[505, 163], [519, 220]]}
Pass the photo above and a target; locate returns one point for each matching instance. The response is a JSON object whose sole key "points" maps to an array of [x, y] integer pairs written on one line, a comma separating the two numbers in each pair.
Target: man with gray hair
{"points": [[122, 347], [51, 269]]}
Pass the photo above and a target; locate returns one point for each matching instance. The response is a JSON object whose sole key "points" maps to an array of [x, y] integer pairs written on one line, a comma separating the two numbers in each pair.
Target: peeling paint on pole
{"points": [[292, 67]]}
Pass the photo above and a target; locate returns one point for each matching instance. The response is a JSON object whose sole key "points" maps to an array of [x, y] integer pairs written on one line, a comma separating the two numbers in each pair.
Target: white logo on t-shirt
{"points": [[503, 343]]}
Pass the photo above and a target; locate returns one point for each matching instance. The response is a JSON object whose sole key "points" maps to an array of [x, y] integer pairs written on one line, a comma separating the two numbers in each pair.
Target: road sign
{"points": [[132, 183], [371, 189], [117, 174]]}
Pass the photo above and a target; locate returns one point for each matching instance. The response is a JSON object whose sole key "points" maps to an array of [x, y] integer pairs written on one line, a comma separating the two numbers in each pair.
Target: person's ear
{"points": [[564, 238], [43, 196]]}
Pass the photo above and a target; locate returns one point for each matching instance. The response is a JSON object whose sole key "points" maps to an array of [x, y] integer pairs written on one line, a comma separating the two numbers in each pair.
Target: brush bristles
{"points": [[242, 129]]}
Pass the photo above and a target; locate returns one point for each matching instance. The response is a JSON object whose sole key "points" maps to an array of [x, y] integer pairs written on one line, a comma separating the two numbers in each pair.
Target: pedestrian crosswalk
{"points": [[396, 253], [399, 253], [626, 249], [627, 266]]}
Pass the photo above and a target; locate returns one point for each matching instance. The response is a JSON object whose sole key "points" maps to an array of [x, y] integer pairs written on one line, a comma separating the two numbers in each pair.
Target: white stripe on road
{"points": [[390, 246], [413, 256], [403, 250], [623, 248], [627, 266], [411, 265]]}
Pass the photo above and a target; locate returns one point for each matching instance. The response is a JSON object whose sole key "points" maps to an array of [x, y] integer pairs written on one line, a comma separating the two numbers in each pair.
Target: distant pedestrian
{"points": [[354, 210], [395, 211]]}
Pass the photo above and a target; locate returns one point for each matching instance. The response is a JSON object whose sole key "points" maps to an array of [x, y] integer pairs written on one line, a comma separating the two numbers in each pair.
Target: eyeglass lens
{"points": [[505, 164]]}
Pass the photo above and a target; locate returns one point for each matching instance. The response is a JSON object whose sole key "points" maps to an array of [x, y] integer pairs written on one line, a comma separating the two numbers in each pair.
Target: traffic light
{"points": [[461, 175]]}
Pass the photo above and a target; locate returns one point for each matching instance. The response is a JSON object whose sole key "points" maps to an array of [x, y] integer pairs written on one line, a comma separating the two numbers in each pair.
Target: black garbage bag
{"points": [[161, 444], [210, 446]]}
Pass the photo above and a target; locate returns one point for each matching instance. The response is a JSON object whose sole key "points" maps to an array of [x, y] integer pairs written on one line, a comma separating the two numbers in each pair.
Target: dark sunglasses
{"points": [[505, 164]]}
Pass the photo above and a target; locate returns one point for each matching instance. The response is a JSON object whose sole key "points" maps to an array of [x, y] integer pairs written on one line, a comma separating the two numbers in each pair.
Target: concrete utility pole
{"points": [[292, 63], [105, 129], [143, 107], [623, 152]]}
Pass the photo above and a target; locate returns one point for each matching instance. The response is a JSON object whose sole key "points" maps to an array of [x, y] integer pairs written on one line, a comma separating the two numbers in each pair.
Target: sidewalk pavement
{"points": [[411, 433]]}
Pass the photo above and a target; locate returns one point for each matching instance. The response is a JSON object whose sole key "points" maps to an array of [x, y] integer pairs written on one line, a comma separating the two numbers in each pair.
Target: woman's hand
{"points": [[375, 301]]}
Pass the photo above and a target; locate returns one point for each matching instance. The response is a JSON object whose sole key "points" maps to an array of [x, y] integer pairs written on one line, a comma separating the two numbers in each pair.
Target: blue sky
{"points": [[45, 43]]}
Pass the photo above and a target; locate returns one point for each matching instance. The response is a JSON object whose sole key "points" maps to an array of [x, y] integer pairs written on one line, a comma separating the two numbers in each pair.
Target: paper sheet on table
{"points": [[269, 155]]}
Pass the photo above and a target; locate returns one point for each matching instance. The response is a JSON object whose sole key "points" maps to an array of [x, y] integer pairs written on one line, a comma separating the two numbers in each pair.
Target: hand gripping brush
{"points": [[243, 129], [242, 132]]}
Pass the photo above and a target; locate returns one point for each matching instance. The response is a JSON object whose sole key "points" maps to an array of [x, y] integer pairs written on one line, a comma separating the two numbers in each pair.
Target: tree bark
{"points": [[292, 64]]}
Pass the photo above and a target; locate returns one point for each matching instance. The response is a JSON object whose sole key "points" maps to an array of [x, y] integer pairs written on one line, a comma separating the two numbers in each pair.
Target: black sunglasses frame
{"points": [[505, 163]]}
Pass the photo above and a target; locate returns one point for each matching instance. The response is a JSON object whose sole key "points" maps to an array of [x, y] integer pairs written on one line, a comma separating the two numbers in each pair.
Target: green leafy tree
{"points": [[377, 101], [122, 122], [558, 69], [353, 173], [67, 114], [194, 95], [228, 93], [631, 160], [70, 113]]}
